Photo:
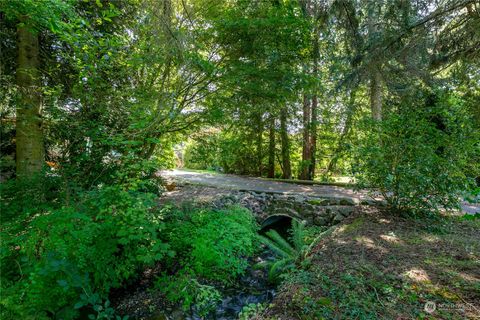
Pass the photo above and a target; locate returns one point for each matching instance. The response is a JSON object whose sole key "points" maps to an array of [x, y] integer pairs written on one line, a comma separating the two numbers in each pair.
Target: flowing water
{"points": [[252, 288]]}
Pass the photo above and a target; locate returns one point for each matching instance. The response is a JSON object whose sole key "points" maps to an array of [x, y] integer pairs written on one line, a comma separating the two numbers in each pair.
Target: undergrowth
{"points": [[212, 247], [58, 258]]}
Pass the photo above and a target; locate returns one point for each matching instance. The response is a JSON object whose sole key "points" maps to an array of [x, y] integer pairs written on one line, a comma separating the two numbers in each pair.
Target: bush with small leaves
{"points": [[419, 158], [86, 248]]}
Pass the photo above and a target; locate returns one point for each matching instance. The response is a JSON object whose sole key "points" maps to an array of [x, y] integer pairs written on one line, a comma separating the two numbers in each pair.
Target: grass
{"points": [[379, 266]]}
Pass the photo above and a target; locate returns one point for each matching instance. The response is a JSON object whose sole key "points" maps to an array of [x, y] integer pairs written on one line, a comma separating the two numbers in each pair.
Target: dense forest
{"points": [[378, 97]]}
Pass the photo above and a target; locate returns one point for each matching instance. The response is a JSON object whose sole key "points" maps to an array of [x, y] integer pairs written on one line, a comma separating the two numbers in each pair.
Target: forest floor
{"points": [[229, 181], [376, 265]]}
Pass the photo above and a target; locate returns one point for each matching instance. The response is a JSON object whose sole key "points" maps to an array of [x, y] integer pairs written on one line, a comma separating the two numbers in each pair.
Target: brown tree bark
{"points": [[259, 145], [29, 135], [313, 139], [306, 138], [314, 120], [271, 148], [286, 167]]}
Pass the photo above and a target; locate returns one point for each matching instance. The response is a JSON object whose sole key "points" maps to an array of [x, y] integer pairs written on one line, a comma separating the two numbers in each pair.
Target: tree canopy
{"points": [[97, 96]]}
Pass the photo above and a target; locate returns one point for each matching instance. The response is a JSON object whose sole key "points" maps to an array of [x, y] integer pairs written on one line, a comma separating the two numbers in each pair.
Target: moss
{"points": [[355, 225], [317, 202]]}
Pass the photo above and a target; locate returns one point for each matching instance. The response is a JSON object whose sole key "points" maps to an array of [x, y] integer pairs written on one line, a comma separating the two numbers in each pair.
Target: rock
{"points": [[170, 185], [299, 198], [178, 315], [345, 211], [338, 218], [320, 221], [309, 220], [309, 207], [346, 202]]}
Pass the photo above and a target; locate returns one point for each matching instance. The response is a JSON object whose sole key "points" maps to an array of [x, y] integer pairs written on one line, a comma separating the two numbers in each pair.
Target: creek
{"points": [[251, 288]]}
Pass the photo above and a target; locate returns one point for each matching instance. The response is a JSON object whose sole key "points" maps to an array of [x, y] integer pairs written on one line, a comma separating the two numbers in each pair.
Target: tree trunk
{"points": [[259, 144], [306, 138], [287, 170], [313, 124], [376, 94], [271, 148], [346, 129], [313, 139], [29, 135]]}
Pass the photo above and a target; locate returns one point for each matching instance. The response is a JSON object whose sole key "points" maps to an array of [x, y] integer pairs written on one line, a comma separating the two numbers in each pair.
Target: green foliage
{"points": [[203, 152], [102, 309], [185, 288], [289, 254], [223, 151], [87, 248], [22, 198], [210, 246], [47, 14], [213, 244], [419, 158], [252, 311]]}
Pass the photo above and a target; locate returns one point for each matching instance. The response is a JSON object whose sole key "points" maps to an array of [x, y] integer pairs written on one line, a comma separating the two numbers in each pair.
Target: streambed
{"points": [[252, 288], [145, 303]]}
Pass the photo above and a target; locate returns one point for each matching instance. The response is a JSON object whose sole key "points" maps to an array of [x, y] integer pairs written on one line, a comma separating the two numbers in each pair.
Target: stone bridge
{"points": [[270, 200], [268, 207]]}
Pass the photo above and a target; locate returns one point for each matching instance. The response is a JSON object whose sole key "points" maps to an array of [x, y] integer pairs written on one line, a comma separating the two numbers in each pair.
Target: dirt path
{"points": [[229, 181]]}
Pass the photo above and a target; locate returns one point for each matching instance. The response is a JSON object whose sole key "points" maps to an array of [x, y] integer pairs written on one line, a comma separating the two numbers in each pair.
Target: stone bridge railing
{"points": [[319, 211], [315, 210]]}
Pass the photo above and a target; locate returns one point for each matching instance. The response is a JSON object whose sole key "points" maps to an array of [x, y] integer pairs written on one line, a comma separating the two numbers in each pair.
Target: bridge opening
{"points": [[280, 223]]}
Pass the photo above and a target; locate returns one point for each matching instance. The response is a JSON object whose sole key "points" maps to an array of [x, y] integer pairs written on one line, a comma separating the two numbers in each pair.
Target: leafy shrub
{"points": [[185, 288], [210, 246], [418, 157], [213, 244], [21, 198], [252, 311], [140, 175], [70, 256]]}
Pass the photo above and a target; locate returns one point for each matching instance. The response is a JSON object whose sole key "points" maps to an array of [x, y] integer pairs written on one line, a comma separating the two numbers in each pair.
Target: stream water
{"points": [[252, 288]]}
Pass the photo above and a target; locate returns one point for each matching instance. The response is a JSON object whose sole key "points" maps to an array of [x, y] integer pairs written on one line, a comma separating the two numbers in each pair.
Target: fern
{"points": [[278, 244], [298, 235], [288, 255]]}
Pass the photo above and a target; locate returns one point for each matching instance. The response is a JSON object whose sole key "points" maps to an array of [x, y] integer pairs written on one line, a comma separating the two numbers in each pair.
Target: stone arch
{"points": [[274, 219]]}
